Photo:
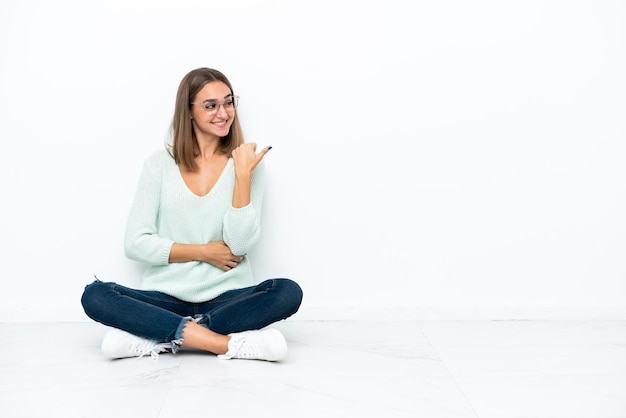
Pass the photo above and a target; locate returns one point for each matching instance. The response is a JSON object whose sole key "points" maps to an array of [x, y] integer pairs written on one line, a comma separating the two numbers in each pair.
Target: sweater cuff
{"points": [[164, 255]]}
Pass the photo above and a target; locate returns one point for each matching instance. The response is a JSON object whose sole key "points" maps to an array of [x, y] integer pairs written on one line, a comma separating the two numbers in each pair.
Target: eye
{"points": [[208, 105], [229, 102]]}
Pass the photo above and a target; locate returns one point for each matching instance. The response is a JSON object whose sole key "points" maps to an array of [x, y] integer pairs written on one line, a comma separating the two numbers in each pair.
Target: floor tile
{"points": [[546, 396], [524, 332], [534, 360]]}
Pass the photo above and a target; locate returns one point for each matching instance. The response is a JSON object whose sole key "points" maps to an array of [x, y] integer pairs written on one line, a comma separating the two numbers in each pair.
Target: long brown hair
{"points": [[184, 146]]}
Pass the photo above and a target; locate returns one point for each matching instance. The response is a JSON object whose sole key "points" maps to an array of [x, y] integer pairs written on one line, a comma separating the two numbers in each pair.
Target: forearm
{"points": [[242, 190], [246, 161], [181, 253], [215, 253], [242, 222]]}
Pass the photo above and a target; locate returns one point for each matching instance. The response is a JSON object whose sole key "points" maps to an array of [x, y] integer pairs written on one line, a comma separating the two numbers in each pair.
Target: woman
{"points": [[194, 218]]}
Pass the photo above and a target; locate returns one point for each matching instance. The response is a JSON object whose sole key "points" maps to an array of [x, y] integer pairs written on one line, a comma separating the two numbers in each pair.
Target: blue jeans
{"points": [[157, 316]]}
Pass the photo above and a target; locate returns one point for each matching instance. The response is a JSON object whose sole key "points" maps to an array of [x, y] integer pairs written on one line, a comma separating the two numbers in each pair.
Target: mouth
{"points": [[220, 124]]}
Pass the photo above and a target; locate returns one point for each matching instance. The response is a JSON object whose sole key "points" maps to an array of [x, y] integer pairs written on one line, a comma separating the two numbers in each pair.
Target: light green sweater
{"points": [[165, 211]]}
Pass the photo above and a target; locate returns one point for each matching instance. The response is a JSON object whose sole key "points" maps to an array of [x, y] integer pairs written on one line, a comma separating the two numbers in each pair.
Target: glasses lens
{"points": [[210, 107], [232, 102]]}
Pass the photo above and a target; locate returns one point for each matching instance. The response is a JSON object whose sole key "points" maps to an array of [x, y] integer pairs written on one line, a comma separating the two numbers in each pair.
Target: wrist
{"points": [[243, 177]]}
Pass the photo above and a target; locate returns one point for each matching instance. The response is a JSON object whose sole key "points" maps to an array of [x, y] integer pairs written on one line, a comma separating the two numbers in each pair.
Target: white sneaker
{"points": [[121, 344], [269, 345]]}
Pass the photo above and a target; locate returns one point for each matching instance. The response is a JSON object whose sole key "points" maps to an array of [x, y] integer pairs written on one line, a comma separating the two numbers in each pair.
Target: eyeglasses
{"points": [[213, 106]]}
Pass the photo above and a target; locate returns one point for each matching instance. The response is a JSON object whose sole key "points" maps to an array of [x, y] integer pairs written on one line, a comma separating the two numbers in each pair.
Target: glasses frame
{"points": [[219, 104]]}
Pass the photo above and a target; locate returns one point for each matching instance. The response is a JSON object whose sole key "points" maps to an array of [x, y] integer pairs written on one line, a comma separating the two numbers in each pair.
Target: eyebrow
{"points": [[215, 100]]}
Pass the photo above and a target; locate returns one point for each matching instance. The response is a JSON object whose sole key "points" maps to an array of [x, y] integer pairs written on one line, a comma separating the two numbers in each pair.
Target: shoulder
{"points": [[160, 158]]}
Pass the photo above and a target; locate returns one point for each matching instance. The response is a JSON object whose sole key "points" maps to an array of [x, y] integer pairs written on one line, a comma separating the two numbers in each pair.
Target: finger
{"points": [[262, 153], [231, 264], [246, 146]]}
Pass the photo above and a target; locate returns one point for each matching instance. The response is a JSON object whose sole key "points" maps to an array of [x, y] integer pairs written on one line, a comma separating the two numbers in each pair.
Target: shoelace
{"points": [[148, 347], [240, 350]]}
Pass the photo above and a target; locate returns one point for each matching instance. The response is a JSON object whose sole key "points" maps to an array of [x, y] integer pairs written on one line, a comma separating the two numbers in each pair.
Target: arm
{"points": [[141, 241], [215, 253], [242, 221], [246, 160]]}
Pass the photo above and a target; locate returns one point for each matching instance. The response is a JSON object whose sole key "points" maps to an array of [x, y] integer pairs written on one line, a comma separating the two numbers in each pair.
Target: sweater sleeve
{"points": [[142, 243], [242, 226]]}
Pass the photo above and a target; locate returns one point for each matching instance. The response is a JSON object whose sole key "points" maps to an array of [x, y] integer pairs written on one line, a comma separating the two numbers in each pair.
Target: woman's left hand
{"points": [[246, 159]]}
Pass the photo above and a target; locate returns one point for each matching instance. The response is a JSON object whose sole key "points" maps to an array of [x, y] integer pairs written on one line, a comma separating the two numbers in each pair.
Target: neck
{"points": [[208, 147]]}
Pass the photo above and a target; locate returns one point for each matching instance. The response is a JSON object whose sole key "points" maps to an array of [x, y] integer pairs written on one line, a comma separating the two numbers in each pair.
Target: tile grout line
{"points": [[448, 370], [169, 389]]}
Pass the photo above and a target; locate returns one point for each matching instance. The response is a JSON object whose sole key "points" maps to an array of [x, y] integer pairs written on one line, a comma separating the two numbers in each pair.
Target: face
{"points": [[214, 125]]}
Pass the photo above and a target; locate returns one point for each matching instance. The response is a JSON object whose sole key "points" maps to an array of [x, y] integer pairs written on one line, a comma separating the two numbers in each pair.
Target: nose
{"points": [[221, 111]]}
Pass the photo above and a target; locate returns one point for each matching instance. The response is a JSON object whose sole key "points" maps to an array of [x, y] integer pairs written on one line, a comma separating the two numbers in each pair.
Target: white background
{"points": [[438, 159]]}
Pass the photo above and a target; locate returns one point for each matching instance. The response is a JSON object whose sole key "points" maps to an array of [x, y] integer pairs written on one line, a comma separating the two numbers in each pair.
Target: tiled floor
{"points": [[484, 369]]}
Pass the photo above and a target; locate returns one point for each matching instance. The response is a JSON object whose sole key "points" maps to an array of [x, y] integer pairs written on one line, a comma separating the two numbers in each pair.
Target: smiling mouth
{"points": [[221, 124]]}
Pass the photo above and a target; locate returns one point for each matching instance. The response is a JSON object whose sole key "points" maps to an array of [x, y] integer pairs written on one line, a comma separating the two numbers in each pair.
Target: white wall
{"points": [[437, 159]]}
